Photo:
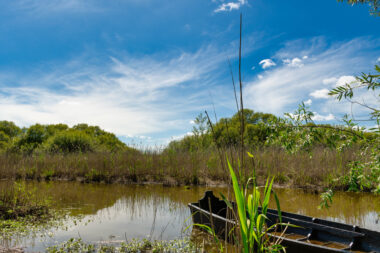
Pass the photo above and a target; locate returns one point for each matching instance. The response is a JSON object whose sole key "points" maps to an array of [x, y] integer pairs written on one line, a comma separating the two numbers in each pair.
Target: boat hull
{"points": [[310, 235]]}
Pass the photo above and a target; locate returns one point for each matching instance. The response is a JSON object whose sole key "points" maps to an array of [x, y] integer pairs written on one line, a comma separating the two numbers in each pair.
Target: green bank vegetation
{"points": [[17, 201], [193, 160], [24, 213], [56, 138], [296, 151]]}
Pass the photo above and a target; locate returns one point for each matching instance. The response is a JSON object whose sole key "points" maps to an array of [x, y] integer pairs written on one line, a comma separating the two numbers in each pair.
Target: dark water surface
{"points": [[119, 212]]}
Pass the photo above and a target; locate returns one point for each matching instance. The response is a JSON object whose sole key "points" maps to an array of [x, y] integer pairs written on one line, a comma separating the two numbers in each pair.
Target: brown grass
{"points": [[173, 167]]}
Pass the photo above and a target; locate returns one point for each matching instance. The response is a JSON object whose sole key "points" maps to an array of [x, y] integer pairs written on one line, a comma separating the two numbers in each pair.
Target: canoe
{"points": [[310, 235]]}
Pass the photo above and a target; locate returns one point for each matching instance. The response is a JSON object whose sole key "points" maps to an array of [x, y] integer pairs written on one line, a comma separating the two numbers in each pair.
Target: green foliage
{"points": [[133, 246], [19, 201], [355, 180], [4, 140], [252, 223], [363, 176], [326, 199], [371, 82], [71, 141], [9, 128], [297, 131], [57, 138], [227, 132], [375, 5]]}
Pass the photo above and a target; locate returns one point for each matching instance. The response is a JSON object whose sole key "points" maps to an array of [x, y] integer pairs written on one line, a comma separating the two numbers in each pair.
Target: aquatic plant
{"points": [[254, 231], [133, 246], [18, 201]]}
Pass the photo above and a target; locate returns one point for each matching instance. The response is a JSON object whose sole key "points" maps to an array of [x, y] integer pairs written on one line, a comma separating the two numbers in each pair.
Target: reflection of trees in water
{"points": [[91, 198], [138, 201]]}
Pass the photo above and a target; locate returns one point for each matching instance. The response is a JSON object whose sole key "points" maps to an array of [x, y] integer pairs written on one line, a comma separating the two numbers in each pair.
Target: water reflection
{"points": [[120, 212], [362, 209]]}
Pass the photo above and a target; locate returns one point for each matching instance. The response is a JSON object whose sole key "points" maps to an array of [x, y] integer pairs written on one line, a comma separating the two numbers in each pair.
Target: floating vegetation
{"points": [[30, 226], [133, 246]]}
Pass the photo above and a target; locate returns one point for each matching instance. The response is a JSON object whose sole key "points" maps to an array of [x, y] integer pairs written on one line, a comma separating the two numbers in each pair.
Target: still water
{"points": [[121, 212]]}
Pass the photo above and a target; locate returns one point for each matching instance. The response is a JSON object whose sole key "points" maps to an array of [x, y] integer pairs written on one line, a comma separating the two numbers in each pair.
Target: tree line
{"points": [[56, 138]]}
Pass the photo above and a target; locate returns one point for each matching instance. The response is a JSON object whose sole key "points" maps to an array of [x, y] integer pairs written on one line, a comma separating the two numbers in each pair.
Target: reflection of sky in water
{"points": [[361, 209], [120, 212], [369, 220], [120, 222]]}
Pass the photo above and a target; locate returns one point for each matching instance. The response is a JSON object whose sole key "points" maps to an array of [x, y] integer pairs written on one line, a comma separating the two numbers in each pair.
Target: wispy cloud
{"points": [[230, 6], [54, 6], [330, 80], [283, 87], [128, 96]]}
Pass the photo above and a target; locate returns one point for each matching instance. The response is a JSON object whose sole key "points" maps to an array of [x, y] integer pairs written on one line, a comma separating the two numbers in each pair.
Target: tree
{"points": [[369, 82], [375, 5], [9, 128]]}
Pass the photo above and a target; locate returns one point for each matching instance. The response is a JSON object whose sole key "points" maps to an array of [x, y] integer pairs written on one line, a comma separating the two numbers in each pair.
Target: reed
{"points": [[254, 232], [18, 201], [177, 167]]}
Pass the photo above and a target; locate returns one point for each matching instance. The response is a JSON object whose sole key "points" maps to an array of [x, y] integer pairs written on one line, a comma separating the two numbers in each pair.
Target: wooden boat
{"points": [[311, 235]]}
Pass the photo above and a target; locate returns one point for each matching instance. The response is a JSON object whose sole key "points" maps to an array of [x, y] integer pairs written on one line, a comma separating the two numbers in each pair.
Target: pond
{"points": [[101, 212]]}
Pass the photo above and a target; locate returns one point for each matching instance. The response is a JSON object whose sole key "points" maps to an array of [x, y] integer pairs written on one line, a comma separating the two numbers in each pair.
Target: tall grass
{"points": [[181, 167], [254, 231], [18, 201]]}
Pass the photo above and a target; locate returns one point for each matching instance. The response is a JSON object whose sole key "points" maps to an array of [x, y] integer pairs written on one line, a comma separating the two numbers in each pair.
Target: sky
{"points": [[144, 69]]}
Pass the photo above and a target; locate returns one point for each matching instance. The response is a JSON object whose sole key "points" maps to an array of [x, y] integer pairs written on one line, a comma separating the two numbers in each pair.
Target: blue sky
{"points": [[145, 69]]}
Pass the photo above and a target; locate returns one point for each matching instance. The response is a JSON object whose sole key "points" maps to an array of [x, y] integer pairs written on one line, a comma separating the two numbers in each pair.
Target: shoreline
{"points": [[172, 182]]}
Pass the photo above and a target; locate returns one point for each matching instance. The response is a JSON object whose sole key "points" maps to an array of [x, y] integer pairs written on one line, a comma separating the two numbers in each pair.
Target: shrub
{"points": [[71, 141]]}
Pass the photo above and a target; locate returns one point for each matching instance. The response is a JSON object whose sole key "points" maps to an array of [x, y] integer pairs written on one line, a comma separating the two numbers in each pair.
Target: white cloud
{"points": [[283, 88], [378, 59], [231, 6], [343, 80], [305, 57], [129, 97], [267, 63], [331, 80], [228, 7], [318, 117], [308, 102], [253, 68], [323, 93], [295, 62], [260, 76]]}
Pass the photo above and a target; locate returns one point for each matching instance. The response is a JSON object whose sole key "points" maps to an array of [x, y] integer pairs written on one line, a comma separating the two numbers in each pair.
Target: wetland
{"points": [[117, 213]]}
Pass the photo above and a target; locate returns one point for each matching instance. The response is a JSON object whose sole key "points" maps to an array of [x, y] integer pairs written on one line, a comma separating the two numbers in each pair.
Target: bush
{"points": [[71, 141]]}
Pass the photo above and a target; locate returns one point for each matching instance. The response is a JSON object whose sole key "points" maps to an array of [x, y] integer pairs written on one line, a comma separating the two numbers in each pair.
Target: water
{"points": [[119, 212]]}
